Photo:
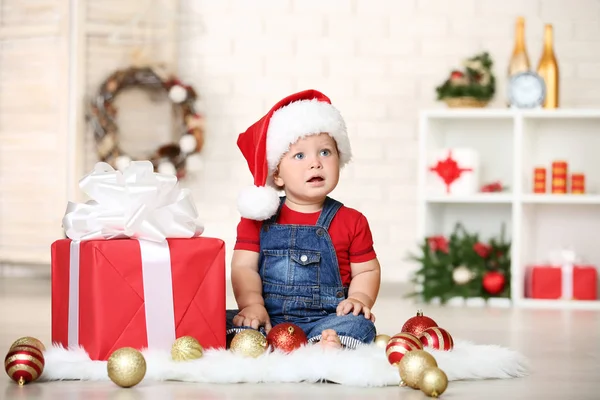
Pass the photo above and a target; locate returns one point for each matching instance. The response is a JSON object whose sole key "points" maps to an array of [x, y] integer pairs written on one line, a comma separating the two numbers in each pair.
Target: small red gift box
{"points": [[108, 294], [576, 282]]}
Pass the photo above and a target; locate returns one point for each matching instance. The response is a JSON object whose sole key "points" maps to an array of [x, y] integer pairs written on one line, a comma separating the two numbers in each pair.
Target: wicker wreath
{"points": [[171, 158]]}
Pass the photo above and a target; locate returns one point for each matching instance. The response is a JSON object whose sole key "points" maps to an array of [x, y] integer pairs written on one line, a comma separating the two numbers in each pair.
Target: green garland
{"points": [[440, 256], [476, 80]]}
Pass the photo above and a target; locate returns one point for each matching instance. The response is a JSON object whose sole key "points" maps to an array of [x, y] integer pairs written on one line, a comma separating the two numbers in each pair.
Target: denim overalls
{"points": [[301, 280]]}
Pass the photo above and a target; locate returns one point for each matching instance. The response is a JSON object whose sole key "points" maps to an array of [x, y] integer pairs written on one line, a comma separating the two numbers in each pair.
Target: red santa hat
{"points": [[264, 143]]}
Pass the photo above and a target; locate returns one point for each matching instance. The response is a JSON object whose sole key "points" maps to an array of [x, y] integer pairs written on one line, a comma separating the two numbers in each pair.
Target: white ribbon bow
{"points": [[137, 203]]}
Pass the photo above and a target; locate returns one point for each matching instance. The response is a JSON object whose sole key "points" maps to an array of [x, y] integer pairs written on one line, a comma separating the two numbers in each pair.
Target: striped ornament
{"points": [[24, 364], [437, 338], [400, 344]]}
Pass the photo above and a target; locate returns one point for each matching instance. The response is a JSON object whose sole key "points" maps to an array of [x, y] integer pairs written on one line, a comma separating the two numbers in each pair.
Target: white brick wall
{"points": [[379, 61]]}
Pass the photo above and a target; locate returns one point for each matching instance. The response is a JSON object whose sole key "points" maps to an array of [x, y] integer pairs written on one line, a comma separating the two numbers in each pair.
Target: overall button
{"points": [[303, 258], [339, 294], [320, 232], [266, 228]]}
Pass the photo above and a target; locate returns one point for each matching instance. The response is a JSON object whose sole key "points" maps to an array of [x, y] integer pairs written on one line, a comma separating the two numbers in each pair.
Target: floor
{"points": [[563, 347]]}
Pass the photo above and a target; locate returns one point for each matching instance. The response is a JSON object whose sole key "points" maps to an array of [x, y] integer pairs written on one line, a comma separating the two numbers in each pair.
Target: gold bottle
{"points": [[519, 62], [548, 69]]}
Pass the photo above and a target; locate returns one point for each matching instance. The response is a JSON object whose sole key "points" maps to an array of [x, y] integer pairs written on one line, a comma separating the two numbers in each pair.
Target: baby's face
{"points": [[310, 170]]}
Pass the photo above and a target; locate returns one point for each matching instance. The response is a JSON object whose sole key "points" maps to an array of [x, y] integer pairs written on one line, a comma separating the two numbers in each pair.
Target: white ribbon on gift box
{"points": [[565, 259], [138, 204]]}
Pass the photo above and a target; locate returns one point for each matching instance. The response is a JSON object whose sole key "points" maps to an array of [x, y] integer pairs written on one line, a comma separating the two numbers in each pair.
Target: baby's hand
{"points": [[356, 307], [254, 316]]}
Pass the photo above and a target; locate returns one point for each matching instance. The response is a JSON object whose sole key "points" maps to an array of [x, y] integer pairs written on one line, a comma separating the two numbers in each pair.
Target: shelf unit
{"points": [[510, 144]]}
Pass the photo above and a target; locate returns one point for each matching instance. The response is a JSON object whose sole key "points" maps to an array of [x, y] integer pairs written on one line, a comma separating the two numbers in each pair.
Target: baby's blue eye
{"points": [[299, 156], [325, 152]]}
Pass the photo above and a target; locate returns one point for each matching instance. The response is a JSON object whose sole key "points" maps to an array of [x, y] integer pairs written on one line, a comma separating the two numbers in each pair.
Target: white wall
{"points": [[32, 144], [53, 55], [379, 61]]}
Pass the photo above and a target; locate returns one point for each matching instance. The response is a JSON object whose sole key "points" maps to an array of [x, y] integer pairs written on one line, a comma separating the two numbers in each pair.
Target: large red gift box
{"points": [[111, 309], [546, 282]]}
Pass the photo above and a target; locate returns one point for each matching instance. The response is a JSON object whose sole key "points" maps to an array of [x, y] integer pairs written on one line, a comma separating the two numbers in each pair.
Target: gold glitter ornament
{"points": [[29, 341], [382, 340], [412, 366], [433, 382], [126, 367], [249, 343], [186, 348]]}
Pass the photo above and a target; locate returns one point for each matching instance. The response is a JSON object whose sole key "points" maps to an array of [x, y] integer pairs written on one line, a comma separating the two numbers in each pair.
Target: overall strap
{"points": [[275, 216], [330, 208]]}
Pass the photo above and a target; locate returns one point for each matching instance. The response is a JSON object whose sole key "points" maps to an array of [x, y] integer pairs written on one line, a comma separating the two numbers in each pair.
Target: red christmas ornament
{"points": [[286, 337], [24, 364], [456, 75], [449, 170], [483, 250], [416, 325], [492, 187], [400, 344], [438, 243], [437, 338], [493, 282]]}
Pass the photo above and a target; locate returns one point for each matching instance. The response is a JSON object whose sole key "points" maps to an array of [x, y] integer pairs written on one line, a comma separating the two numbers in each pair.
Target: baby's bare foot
{"points": [[330, 339]]}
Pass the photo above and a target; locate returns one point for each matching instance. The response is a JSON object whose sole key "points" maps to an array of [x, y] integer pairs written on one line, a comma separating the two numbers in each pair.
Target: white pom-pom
{"points": [[166, 168], [258, 203], [177, 94], [194, 162], [187, 143], [122, 162]]}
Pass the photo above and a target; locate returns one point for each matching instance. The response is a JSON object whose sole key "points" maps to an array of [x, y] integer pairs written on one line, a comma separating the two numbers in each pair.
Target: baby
{"points": [[303, 258]]}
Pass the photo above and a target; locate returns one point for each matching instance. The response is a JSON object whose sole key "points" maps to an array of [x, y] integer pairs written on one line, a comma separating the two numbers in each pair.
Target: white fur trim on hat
{"points": [[258, 202], [303, 118]]}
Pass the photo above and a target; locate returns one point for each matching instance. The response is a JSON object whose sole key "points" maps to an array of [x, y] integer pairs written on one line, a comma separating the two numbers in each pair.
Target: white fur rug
{"points": [[365, 366]]}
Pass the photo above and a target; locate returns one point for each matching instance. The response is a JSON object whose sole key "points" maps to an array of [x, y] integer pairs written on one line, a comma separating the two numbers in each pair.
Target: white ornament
{"points": [[194, 162], [177, 94], [122, 162], [188, 143], [462, 275], [166, 168]]}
